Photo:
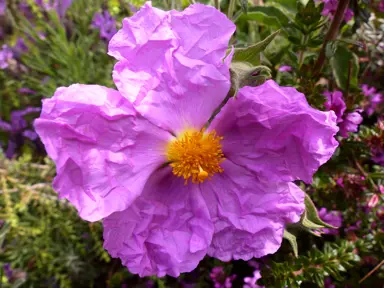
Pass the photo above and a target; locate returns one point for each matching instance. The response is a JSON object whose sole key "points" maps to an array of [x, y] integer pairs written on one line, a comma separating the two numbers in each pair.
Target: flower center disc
{"points": [[196, 154]]}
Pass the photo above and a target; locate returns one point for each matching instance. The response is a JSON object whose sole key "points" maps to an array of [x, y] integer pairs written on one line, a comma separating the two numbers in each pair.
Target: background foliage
{"points": [[44, 243]]}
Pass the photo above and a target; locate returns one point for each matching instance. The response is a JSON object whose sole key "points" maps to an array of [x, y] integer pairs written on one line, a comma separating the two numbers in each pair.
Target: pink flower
{"points": [[169, 191], [285, 68], [350, 123], [251, 282], [220, 279], [333, 218], [330, 7], [373, 201], [335, 102]]}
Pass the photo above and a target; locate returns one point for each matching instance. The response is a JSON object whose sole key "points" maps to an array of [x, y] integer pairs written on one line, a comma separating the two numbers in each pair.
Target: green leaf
{"points": [[340, 62], [330, 49], [266, 15], [251, 54], [292, 240], [310, 217]]}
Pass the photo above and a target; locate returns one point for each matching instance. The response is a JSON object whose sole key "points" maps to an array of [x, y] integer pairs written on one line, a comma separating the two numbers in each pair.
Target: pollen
{"points": [[196, 155]]}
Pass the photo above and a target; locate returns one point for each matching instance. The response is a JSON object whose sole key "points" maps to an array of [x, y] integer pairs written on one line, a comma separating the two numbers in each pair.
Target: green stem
{"points": [[231, 8]]}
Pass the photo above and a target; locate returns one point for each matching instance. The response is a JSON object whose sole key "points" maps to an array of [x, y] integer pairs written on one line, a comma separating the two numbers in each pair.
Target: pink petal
{"points": [[171, 64], [273, 132], [103, 152], [166, 231], [249, 213]]}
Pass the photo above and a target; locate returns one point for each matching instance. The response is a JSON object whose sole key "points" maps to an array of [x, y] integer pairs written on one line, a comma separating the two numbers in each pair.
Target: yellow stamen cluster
{"points": [[196, 155]]}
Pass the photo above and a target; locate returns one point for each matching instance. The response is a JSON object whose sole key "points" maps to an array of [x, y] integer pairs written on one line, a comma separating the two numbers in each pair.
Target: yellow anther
{"points": [[196, 155]]}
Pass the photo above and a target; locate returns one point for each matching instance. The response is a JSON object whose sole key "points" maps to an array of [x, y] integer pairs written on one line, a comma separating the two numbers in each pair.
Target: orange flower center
{"points": [[196, 155]]}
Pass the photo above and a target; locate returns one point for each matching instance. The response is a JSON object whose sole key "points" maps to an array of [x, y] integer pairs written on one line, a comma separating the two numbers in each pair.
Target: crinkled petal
{"points": [[273, 132], [171, 64], [166, 231], [249, 213], [103, 152]]}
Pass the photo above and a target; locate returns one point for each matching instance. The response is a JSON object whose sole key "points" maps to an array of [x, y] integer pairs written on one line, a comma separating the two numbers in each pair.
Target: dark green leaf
{"points": [[311, 218], [340, 62]]}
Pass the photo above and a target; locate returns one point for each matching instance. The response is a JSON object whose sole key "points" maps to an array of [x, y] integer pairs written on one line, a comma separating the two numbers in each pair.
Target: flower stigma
{"points": [[196, 154]]}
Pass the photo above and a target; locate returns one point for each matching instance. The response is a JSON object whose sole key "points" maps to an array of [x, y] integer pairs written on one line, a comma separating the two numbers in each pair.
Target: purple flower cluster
{"points": [[220, 279], [106, 24], [330, 7], [333, 218], [18, 130], [373, 99], [285, 68], [6, 55], [61, 6], [251, 282], [348, 122]]}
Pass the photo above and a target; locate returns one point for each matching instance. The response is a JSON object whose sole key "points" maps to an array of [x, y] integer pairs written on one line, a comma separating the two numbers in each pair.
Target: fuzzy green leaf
{"points": [[310, 217], [251, 54], [292, 240]]}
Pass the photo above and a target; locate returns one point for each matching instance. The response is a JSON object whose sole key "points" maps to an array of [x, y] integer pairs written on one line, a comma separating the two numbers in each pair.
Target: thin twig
{"points": [[217, 110], [372, 271], [331, 34]]}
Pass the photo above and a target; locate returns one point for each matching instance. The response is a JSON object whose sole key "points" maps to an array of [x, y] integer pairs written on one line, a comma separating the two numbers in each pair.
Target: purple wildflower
{"points": [[6, 55], [328, 283], [373, 99], [381, 6], [350, 123], [3, 7], [17, 130], [285, 68], [8, 271], [106, 24], [25, 90], [330, 7], [251, 282], [141, 159], [335, 102], [220, 279], [61, 6], [333, 218], [353, 227]]}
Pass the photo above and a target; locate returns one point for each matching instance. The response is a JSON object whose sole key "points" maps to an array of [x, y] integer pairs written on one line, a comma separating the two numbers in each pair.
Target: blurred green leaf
{"points": [[340, 62]]}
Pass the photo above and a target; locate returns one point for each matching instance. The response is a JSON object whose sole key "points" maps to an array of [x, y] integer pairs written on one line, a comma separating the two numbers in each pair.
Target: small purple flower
{"points": [[220, 279], [61, 6], [17, 129], [381, 6], [333, 218], [350, 123], [373, 99], [25, 90], [6, 55], [335, 102], [328, 283], [250, 282], [3, 7], [330, 7], [353, 227], [106, 24], [8, 271], [285, 68]]}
